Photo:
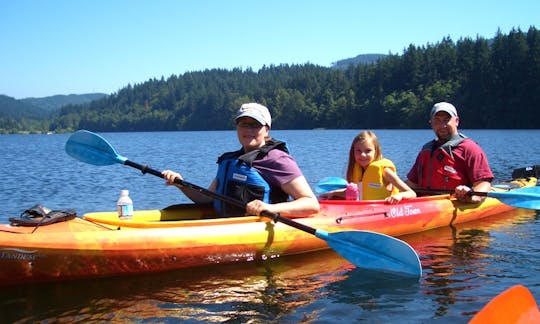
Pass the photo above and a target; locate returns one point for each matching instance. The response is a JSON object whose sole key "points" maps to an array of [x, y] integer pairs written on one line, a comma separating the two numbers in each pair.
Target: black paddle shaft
{"points": [[276, 217], [146, 169]]}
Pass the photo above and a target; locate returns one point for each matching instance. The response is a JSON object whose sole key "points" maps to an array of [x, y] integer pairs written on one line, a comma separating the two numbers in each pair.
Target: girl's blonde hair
{"points": [[360, 138]]}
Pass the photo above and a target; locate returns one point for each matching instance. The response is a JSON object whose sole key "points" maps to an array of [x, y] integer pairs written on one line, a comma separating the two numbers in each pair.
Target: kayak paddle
{"points": [[330, 184], [526, 197], [514, 305], [365, 249]]}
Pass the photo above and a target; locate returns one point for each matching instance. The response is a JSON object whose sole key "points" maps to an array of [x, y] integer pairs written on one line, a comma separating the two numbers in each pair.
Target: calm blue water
{"points": [[463, 267]]}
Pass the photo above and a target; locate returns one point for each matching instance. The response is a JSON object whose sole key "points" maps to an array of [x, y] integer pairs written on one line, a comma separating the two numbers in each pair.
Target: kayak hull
{"points": [[101, 245]]}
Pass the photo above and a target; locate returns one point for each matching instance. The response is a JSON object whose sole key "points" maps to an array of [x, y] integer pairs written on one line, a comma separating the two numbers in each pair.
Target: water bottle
{"points": [[351, 193], [125, 205]]}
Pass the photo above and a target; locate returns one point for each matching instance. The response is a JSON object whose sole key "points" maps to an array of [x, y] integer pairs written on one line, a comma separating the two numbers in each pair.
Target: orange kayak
{"points": [[514, 305], [99, 244]]}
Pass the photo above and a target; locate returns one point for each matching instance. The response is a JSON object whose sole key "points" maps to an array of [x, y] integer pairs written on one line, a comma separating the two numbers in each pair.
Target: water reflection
{"points": [[254, 291], [456, 260]]}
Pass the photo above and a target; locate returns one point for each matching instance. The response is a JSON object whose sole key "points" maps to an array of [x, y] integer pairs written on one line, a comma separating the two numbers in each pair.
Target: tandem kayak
{"points": [[185, 236]]}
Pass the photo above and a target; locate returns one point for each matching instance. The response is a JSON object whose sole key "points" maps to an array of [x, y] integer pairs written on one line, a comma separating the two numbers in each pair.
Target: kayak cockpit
{"points": [[181, 215]]}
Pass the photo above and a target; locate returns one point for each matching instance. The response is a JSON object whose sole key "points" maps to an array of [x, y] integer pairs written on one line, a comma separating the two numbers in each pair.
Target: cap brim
{"points": [[448, 111], [254, 116]]}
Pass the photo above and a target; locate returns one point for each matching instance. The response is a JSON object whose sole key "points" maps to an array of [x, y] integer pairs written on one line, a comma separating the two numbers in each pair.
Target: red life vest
{"points": [[437, 167]]}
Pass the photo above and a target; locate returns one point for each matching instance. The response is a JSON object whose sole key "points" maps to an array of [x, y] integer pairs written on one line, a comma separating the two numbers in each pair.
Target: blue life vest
{"points": [[236, 178]]}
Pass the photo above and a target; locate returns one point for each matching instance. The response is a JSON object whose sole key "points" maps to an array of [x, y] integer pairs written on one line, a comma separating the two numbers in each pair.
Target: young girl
{"points": [[375, 175]]}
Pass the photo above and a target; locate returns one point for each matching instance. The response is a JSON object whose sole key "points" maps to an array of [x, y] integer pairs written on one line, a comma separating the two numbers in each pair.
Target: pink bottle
{"points": [[351, 193]]}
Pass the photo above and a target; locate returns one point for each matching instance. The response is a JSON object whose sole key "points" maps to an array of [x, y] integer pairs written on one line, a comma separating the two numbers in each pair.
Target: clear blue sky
{"points": [[80, 46]]}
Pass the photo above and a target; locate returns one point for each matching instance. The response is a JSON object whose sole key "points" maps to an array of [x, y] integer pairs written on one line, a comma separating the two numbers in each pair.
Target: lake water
{"points": [[463, 267]]}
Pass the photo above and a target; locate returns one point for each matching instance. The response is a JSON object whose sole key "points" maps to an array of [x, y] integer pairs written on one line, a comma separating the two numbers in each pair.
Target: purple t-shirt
{"points": [[277, 168]]}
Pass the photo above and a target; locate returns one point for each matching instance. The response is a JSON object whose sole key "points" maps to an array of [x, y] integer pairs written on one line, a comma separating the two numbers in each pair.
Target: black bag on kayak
{"points": [[39, 215], [527, 172]]}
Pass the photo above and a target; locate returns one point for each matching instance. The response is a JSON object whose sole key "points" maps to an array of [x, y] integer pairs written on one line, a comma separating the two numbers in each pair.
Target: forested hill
{"points": [[17, 109], [35, 114], [359, 59], [53, 103], [494, 84]]}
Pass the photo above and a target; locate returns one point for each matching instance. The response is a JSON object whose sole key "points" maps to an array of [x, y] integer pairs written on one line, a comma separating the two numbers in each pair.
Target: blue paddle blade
{"points": [[528, 197], [330, 184], [91, 148], [375, 252]]}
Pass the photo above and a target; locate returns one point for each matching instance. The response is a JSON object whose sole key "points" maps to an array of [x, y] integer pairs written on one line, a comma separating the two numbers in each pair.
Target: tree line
{"points": [[494, 83]]}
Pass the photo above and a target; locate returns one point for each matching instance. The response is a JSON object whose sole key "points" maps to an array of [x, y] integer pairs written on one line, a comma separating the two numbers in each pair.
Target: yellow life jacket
{"points": [[373, 186]]}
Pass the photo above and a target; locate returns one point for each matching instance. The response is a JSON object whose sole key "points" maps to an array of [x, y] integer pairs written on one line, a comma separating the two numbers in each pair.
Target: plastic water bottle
{"points": [[360, 191], [125, 205], [351, 193]]}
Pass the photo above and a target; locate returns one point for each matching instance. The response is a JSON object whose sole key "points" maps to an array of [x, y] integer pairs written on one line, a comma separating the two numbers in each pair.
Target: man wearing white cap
{"points": [[261, 174], [451, 161]]}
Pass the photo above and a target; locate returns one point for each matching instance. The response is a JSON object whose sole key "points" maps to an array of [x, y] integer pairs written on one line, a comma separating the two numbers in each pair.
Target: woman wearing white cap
{"points": [[261, 174], [451, 161]]}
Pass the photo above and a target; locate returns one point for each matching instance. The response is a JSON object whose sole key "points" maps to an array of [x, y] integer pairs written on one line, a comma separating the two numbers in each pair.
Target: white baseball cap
{"points": [[256, 111], [444, 106]]}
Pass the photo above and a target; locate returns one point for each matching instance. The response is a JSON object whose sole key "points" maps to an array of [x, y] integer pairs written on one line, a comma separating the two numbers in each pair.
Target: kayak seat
{"points": [[39, 215], [180, 212]]}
